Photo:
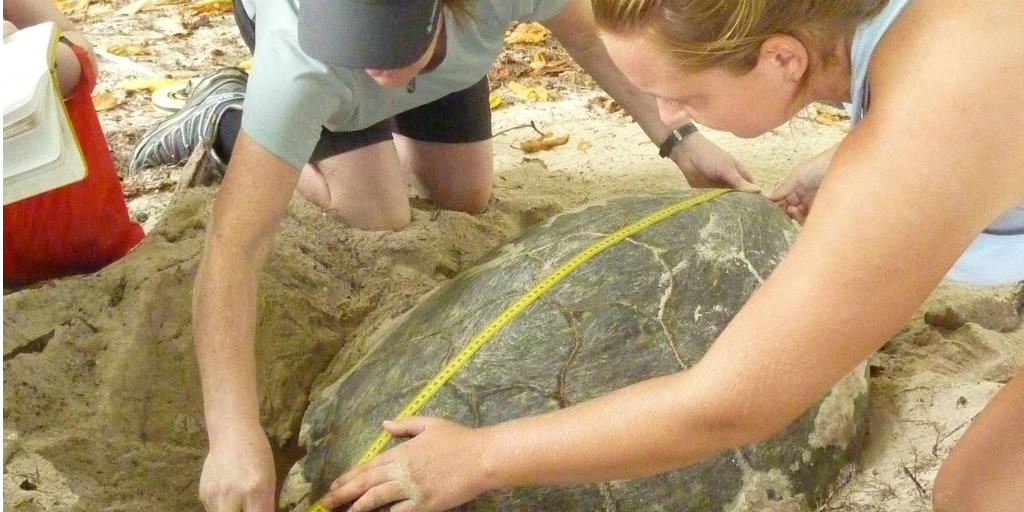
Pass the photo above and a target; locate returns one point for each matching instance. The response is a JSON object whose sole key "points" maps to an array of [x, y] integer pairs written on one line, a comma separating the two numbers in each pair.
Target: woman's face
{"points": [[747, 105]]}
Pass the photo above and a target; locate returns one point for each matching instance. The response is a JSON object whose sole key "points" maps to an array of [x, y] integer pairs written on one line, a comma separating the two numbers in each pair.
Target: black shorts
{"points": [[460, 117]]}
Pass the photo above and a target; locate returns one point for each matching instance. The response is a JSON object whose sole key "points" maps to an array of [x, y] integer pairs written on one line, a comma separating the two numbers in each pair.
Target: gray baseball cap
{"points": [[367, 34]]}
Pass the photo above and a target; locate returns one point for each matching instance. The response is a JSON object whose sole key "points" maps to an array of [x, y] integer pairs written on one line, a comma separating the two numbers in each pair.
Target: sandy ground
{"points": [[101, 399]]}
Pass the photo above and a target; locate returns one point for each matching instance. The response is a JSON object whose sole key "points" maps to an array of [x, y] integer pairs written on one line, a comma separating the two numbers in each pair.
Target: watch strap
{"points": [[675, 137]]}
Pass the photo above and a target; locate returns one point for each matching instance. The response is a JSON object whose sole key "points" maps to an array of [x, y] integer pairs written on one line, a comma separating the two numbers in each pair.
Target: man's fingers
{"points": [[353, 484], [408, 427], [404, 506], [379, 496]]}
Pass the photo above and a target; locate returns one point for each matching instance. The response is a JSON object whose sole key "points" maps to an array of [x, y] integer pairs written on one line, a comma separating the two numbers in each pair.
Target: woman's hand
{"points": [[706, 165], [437, 469], [796, 194]]}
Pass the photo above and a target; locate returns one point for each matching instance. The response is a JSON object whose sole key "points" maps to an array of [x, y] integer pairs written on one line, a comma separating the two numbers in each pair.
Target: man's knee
{"points": [[375, 217], [469, 201]]}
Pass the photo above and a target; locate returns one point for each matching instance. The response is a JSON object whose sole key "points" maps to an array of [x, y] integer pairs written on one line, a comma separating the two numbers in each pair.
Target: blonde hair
{"points": [[703, 34]]}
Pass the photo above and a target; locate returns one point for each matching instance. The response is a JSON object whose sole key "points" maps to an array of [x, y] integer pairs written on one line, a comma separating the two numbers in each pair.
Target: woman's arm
{"points": [[25, 13]]}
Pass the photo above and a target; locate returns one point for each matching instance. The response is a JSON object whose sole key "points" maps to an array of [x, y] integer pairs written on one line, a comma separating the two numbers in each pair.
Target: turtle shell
{"points": [[646, 306]]}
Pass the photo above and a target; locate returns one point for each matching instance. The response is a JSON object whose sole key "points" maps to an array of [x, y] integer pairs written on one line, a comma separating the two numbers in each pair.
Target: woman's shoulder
{"points": [[964, 36]]}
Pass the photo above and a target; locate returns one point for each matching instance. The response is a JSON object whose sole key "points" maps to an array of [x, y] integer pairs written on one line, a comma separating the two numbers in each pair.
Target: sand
{"points": [[101, 398]]}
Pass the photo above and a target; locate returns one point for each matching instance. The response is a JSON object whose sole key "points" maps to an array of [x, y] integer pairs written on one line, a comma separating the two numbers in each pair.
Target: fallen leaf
{"points": [[494, 101], [103, 101], [134, 189], [830, 120], [554, 67], [190, 23], [128, 49], [99, 9], [532, 93], [605, 103], [527, 33], [150, 84], [133, 7], [538, 62], [208, 7], [584, 145], [67, 6], [131, 190], [245, 64], [172, 26], [545, 142]]}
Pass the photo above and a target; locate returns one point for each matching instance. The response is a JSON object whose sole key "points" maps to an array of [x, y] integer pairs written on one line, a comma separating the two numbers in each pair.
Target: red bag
{"points": [[78, 228]]}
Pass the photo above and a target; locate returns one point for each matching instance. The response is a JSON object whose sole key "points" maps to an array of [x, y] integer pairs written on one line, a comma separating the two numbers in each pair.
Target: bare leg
{"points": [[366, 187], [455, 176], [985, 470]]}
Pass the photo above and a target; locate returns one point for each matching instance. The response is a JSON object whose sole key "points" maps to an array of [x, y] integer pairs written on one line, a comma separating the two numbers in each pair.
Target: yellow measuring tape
{"points": [[460, 359]]}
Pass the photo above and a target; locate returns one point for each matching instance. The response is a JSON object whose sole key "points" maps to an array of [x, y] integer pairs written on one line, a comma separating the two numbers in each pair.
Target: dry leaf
{"points": [[128, 49], [131, 189], [190, 23], [584, 145], [543, 143], [831, 116], [103, 101], [151, 84], [527, 33], [171, 26], [538, 62], [207, 7], [555, 67], [133, 7], [99, 9], [605, 103], [68, 6], [532, 93], [494, 101]]}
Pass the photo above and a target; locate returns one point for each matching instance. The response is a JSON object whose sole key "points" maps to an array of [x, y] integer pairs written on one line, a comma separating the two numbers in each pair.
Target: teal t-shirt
{"points": [[290, 95]]}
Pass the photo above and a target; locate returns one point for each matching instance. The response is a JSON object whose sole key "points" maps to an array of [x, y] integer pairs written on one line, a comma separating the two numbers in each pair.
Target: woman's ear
{"points": [[785, 57]]}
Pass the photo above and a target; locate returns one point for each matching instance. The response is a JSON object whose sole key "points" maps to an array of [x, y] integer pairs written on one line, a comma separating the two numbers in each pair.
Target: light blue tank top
{"points": [[997, 255]]}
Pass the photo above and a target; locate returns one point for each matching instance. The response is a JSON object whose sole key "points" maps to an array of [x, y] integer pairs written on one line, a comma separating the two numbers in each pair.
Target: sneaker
{"points": [[223, 80], [173, 139]]}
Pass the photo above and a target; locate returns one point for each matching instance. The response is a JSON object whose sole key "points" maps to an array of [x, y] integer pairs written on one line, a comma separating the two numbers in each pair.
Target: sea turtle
{"points": [[648, 305]]}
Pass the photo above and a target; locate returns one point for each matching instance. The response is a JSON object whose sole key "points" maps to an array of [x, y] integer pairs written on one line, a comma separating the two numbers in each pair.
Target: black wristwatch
{"points": [[677, 136]]}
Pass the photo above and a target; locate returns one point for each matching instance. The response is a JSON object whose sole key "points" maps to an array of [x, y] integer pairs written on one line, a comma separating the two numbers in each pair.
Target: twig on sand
{"points": [[531, 124], [920, 488]]}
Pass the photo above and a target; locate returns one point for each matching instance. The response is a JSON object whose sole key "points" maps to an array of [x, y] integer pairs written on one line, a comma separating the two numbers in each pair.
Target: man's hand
{"points": [[796, 194], [435, 470], [705, 165], [238, 475]]}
